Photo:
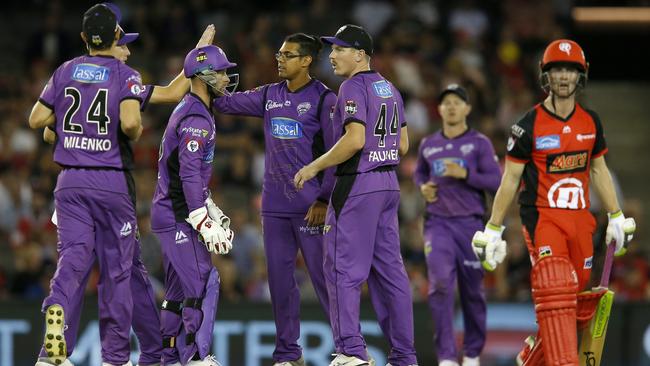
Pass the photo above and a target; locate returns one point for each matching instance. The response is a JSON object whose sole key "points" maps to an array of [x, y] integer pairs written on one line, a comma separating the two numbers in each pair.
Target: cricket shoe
{"points": [[471, 361], [344, 360], [54, 341], [448, 363], [44, 361], [209, 360], [298, 362]]}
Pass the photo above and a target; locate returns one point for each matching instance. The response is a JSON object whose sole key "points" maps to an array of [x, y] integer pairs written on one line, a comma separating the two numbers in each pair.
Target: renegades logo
{"points": [[575, 161]]}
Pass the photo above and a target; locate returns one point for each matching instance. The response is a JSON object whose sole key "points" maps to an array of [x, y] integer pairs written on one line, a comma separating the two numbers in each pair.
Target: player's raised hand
{"points": [[207, 37], [620, 231], [429, 191], [316, 214], [489, 247], [454, 170], [306, 173]]}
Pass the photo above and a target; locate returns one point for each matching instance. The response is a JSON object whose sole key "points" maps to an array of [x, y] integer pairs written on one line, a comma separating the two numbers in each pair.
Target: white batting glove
{"points": [[217, 215], [620, 231], [489, 247], [212, 234]]}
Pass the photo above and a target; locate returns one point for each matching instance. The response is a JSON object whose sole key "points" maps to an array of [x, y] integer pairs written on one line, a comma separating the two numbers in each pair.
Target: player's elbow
{"points": [[357, 141], [132, 127]]}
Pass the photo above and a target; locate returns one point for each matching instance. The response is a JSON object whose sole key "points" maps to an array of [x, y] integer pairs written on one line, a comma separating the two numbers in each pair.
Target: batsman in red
{"points": [[553, 151]]}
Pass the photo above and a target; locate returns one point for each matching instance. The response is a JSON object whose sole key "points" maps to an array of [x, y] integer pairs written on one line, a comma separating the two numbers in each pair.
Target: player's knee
{"points": [[554, 283]]}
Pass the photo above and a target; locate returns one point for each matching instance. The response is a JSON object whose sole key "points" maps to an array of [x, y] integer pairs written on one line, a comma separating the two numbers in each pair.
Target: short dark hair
{"points": [[308, 45]]}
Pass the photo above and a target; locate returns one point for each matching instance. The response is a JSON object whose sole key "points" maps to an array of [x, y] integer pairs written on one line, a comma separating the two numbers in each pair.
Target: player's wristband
{"points": [[615, 214]]}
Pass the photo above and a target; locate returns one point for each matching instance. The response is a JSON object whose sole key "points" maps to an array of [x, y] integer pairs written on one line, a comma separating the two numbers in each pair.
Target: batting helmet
{"points": [[563, 51]]}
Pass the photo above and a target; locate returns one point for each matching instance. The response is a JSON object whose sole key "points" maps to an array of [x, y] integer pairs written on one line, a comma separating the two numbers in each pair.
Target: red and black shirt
{"points": [[557, 153]]}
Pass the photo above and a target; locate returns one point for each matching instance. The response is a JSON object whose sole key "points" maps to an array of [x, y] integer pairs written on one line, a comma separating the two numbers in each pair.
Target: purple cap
{"points": [[353, 36], [205, 58], [124, 37]]}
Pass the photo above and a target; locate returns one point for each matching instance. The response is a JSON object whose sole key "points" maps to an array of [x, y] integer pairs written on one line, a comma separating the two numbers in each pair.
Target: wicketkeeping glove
{"points": [[211, 233], [217, 215], [620, 231], [489, 247]]}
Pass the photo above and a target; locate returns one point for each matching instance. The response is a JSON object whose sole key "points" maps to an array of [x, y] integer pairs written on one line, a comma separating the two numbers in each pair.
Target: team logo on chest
{"points": [[466, 148], [303, 108], [350, 107]]}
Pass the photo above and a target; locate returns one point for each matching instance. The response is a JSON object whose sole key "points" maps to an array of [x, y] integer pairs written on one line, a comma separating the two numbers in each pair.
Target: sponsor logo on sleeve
{"points": [[569, 162], [511, 143], [192, 146], [589, 262], [134, 84], [303, 108], [382, 89], [286, 128], [547, 142], [196, 132], [90, 73], [350, 107], [517, 131]]}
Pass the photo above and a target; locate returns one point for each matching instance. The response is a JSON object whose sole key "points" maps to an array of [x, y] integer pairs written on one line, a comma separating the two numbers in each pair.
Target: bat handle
{"points": [[607, 266]]}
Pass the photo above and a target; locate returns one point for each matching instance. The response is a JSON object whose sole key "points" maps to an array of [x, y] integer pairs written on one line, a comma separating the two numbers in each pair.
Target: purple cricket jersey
{"points": [[297, 130], [370, 99], [85, 94], [458, 197], [184, 163]]}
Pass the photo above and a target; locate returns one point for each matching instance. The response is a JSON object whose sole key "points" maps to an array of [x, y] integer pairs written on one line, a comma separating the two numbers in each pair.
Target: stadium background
{"points": [[491, 47]]}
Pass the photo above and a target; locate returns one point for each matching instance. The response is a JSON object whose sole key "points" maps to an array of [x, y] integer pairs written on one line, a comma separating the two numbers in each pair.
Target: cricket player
{"points": [[297, 129], [188, 224], [553, 150], [361, 228], [93, 102], [146, 319], [455, 167]]}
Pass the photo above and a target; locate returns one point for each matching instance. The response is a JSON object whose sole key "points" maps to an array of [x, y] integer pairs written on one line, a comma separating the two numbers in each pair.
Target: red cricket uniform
{"points": [[555, 192]]}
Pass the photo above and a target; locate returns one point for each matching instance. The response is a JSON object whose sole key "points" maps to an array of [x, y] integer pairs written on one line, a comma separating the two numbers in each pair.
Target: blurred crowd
{"points": [[490, 47]]}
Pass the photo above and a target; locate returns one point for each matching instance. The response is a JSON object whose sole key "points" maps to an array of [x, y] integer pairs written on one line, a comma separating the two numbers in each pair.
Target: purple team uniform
{"points": [[94, 195], [449, 224], [184, 170], [362, 234], [146, 319], [297, 130]]}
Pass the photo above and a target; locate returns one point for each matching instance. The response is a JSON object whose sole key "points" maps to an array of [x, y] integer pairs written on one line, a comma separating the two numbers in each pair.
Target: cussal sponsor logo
{"points": [[575, 161], [382, 89], [547, 142], [286, 128], [90, 73], [439, 165]]}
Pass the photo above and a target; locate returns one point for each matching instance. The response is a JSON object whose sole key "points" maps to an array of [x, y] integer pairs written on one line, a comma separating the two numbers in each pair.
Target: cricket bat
{"points": [[593, 337]]}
